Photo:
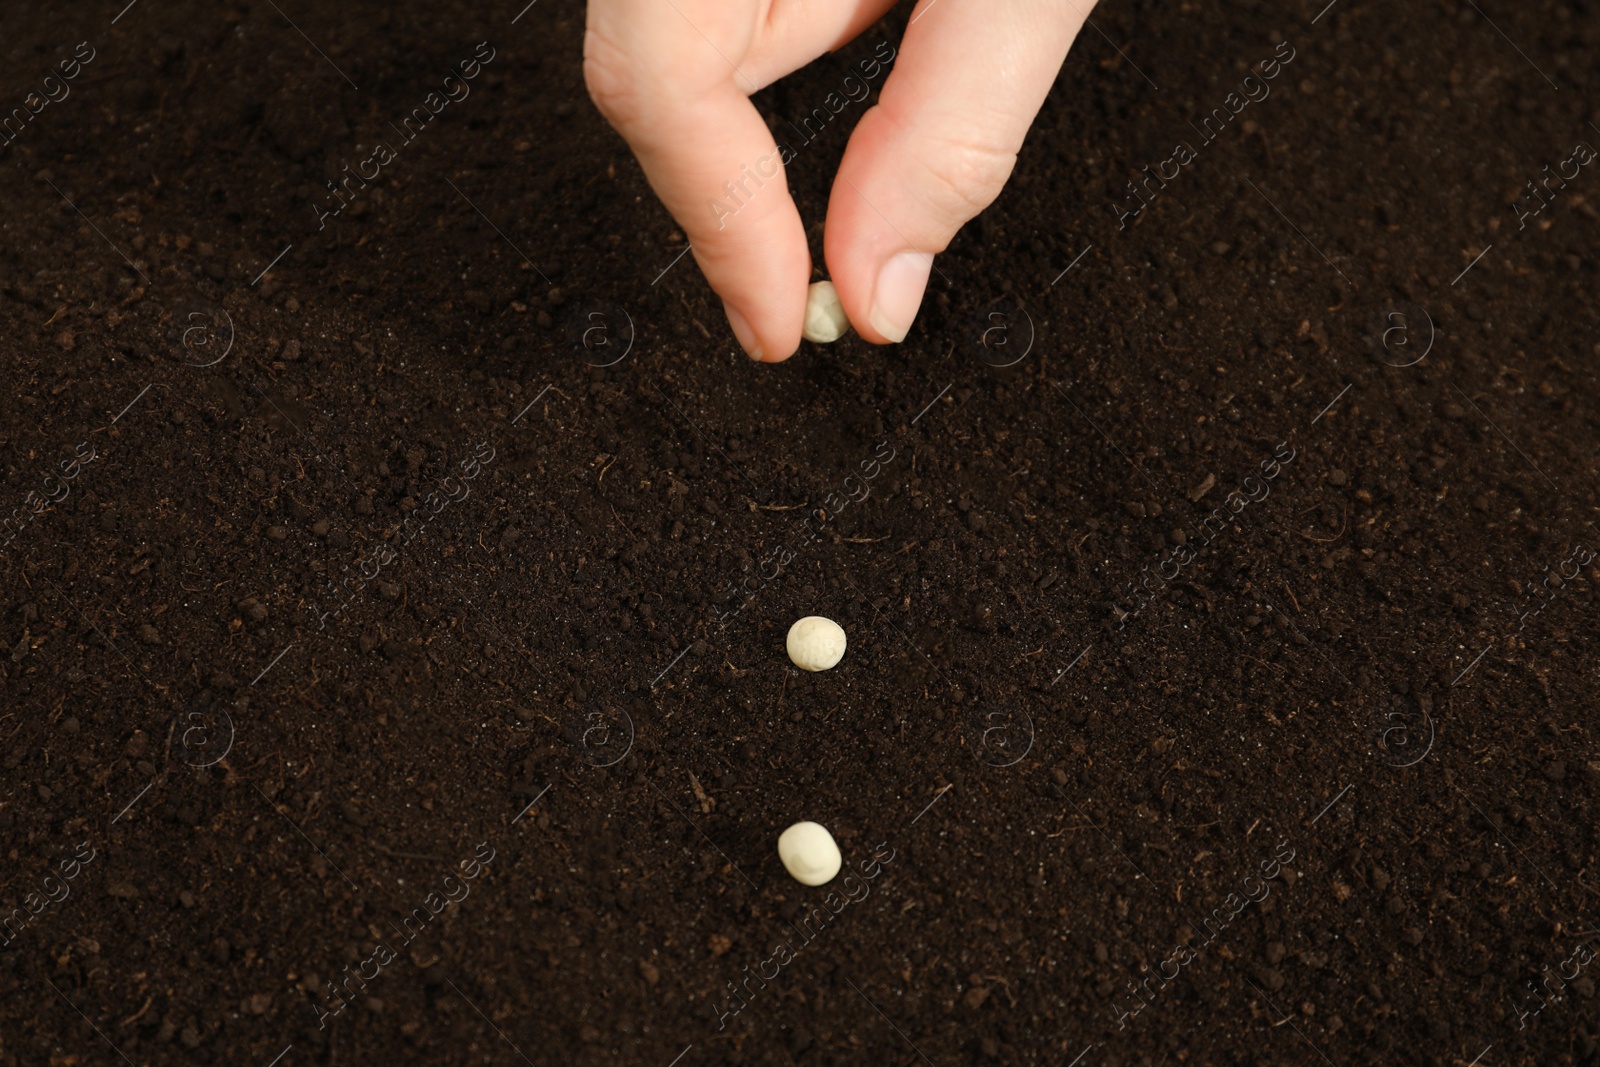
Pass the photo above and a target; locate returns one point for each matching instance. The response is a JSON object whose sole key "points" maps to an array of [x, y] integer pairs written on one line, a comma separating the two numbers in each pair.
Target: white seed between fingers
{"points": [[826, 321], [809, 853], [815, 643]]}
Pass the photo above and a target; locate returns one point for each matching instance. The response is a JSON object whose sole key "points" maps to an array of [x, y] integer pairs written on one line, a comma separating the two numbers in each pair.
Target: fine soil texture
{"points": [[395, 579]]}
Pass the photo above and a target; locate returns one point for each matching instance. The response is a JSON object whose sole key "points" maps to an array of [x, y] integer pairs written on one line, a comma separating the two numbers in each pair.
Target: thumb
{"points": [[938, 147]]}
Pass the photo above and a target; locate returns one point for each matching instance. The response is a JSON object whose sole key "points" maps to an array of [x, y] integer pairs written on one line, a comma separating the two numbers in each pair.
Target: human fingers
{"points": [[673, 76], [667, 75], [938, 147]]}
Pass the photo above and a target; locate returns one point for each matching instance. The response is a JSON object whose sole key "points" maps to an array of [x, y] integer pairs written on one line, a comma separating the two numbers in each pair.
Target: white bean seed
{"points": [[809, 853], [825, 318], [815, 643]]}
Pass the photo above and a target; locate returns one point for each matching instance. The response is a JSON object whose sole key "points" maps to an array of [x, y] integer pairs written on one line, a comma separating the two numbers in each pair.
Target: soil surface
{"points": [[395, 583]]}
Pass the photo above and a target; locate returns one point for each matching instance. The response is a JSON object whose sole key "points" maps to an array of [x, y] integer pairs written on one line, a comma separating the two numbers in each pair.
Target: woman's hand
{"points": [[674, 77]]}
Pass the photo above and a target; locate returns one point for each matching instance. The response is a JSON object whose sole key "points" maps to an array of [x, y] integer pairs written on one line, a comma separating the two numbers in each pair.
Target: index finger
{"points": [[661, 73]]}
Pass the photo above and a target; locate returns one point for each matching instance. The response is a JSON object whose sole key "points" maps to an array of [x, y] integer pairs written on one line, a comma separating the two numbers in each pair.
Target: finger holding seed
{"points": [[675, 80]]}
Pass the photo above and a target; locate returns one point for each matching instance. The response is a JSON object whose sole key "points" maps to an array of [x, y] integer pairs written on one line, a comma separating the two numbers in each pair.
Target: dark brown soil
{"points": [[1221, 589]]}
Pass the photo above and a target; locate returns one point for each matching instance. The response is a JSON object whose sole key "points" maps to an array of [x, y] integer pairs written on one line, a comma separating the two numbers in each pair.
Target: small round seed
{"points": [[815, 643], [809, 853], [825, 318]]}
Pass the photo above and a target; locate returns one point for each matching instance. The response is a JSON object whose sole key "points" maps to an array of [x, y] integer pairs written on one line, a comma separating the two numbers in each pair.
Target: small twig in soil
{"points": [[399, 855], [625, 526], [1292, 600], [706, 803], [136, 1015], [692, 319], [1344, 515], [1005, 984]]}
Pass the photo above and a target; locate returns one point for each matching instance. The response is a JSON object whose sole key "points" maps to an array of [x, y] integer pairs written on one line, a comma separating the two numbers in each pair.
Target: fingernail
{"points": [[898, 294], [742, 331]]}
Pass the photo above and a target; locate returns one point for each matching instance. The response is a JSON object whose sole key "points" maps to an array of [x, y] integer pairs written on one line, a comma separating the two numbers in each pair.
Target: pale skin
{"points": [[675, 76]]}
